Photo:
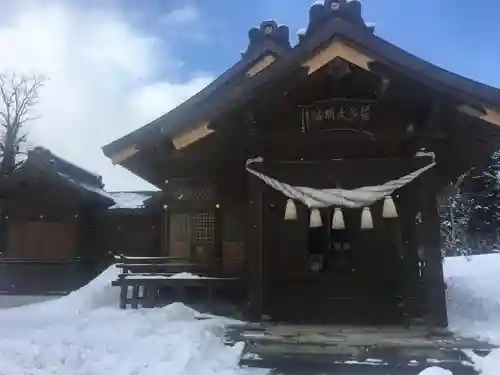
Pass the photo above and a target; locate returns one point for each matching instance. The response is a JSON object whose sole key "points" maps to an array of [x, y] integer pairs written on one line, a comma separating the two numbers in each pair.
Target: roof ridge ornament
{"points": [[268, 31], [323, 11]]}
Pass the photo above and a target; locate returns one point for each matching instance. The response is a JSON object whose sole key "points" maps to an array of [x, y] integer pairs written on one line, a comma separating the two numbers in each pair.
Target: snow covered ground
{"points": [[86, 334], [7, 300], [474, 303]]}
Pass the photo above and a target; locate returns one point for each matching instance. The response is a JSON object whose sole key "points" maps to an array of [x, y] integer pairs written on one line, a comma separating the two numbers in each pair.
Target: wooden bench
{"points": [[149, 279], [149, 260], [157, 267], [146, 288], [154, 264]]}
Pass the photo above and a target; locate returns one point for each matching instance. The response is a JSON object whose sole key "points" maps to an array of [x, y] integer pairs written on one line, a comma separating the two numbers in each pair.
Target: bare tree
{"points": [[18, 96]]}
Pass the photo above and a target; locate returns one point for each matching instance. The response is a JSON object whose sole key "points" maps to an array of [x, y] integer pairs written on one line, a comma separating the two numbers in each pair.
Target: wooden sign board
{"points": [[337, 114]]}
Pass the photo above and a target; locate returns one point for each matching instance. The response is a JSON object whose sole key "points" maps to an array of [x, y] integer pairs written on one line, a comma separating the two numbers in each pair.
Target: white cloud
{"points": [[102, 80], [186, 14]]}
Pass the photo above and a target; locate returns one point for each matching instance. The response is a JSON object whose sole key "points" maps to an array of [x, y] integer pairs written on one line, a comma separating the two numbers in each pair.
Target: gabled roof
{"points": [[274, 44], [336, 36], [87, 184]]}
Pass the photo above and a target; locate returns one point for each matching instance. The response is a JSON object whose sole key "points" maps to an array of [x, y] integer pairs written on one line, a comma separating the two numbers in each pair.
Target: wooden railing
{"points": [[148, 282]]}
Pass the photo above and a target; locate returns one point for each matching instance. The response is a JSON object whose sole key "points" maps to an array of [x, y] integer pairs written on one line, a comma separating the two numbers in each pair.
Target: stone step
{"points": [[324, 365], [311, 350]]}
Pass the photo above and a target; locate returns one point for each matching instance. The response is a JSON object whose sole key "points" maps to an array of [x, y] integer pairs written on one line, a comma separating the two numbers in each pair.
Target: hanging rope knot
{"points": [[423, 153], [259, 159]]}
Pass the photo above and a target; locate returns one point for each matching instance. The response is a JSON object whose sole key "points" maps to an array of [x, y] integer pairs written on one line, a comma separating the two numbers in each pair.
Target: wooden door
{"points": [[180, 235], [192, 236], [357, 280], [233, 240]]}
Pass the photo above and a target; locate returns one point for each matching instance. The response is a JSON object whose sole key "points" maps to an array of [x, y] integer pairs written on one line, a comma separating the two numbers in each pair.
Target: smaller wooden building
{"points": [[59, 226], [46, 204], [47, 207]]}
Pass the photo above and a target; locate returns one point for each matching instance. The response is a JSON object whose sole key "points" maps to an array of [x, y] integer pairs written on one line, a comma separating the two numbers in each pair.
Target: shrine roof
{"points": [[330, 21]]}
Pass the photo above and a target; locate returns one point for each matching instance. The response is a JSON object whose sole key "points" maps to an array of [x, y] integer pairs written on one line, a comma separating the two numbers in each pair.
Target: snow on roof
{"points": [[77, 167], [65, 167], [85, 186], [129, 199]]}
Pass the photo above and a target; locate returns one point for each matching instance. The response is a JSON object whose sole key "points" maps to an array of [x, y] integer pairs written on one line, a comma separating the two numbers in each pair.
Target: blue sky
{"points": [[114, 65], [458, 35]]}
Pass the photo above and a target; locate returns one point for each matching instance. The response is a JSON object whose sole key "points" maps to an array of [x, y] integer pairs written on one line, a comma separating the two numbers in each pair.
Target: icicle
{"points": [[315, 219], [290, 210], [338, 220], [366, 219], [389, 211]]}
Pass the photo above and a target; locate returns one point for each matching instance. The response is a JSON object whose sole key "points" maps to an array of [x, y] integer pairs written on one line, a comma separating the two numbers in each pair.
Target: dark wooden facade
{"points": [[59, 226], [129, 229], [341, 108], [45, 205]]}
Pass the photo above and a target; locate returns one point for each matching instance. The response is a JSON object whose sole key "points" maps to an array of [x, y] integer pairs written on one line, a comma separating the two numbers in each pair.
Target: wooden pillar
{"points": [[410, 261], [82, 257], [427, 127], [165, 209], [394, 234], [219, 217], [163, 232], [254, 233], [254, 247], [4, 227], [430, 244]]}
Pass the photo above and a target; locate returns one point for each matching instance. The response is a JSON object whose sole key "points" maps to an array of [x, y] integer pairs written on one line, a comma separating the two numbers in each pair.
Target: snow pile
{"points": [[435, 371], [474, 303], [185, 275], [180, 275], [473, 295], [86, 334]]}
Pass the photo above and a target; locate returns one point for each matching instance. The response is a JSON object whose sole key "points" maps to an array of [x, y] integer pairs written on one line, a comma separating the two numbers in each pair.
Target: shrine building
{"points": [[311, 172]]}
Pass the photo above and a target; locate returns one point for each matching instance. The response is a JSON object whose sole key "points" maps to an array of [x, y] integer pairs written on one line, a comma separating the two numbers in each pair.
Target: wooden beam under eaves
{"points": [[492, 115], [185, 139], [489, 114], [260, 65], [336, 49], [124, 154]]}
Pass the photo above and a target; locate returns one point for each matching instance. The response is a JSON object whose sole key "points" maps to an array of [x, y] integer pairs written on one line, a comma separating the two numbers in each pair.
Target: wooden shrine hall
{"points": [[311, 172]]}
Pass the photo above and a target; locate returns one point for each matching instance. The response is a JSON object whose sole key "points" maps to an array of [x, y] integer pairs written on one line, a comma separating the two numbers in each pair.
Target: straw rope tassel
{"points": [[338, 220], [290, 210], [389, 211], [315, 219], [366, 219]]}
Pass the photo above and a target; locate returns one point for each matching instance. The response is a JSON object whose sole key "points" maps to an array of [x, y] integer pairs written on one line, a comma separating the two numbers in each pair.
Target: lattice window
{"points": [[204, 227], [194, 193]]}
